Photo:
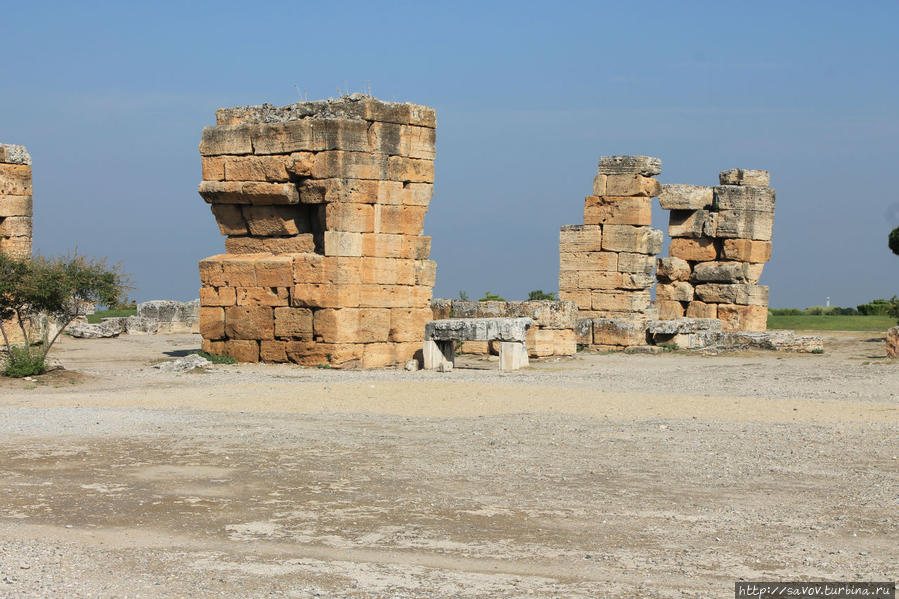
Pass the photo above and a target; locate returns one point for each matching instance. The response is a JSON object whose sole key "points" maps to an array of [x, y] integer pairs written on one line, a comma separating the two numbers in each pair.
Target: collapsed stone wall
{"points": [[720, 242], [607, 265], [15, 201], [323, 205], [552, 333]]}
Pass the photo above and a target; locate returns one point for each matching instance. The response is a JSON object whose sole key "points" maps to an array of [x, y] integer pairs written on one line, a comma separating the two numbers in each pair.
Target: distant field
{"points": [[806, 322]]}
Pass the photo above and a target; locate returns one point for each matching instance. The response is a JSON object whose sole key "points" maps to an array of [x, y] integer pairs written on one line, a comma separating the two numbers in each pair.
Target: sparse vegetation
{"points": [[807, 322], [489, 296], [64, 288], [463, 296], [894, 241], [539, 294], [215, 358]]}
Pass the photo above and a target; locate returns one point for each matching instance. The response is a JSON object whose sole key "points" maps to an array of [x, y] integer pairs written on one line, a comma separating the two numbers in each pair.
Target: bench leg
{"points": [[512, 355], [436, 353]]}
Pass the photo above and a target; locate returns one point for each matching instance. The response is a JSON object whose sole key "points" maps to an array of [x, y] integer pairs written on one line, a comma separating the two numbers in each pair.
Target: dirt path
{"points": [[599, 476]]}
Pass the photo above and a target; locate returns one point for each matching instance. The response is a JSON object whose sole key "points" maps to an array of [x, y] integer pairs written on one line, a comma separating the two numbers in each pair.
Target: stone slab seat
{"points": [[441, 337]]}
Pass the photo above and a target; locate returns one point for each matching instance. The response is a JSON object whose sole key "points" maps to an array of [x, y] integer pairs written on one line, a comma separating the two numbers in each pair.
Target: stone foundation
{"points": [[552, 334], [323, 206]]}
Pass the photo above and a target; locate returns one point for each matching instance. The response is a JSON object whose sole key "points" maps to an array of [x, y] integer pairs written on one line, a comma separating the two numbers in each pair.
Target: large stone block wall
{"points": [[323, 205], [552, 333], [720, 242], [15, 201], [607, 265]]}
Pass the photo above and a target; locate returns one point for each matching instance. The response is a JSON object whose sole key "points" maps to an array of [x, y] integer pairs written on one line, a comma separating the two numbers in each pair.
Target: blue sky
{"points": [[110, 99]]}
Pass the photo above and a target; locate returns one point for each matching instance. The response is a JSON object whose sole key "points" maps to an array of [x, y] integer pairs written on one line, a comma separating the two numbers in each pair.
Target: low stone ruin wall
{"points": [[15, 201], [720, 242], [153, 317], [323, 205], [552, 334]]}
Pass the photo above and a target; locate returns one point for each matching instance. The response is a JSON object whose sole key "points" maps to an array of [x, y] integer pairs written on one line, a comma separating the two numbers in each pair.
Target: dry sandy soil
{"points": [[603, 475]]}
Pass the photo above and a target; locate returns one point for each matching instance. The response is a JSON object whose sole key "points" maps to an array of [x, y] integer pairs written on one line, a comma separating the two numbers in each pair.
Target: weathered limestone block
{"points": [[624, 165], [743, 318], [263, 296], [692, 223], [746, 250], [620, 301], [580, 238], [108, 327], [408, 324], [478, 329], [15, 205], [342, 243], [670, 309], [693, 250], [352, 325], [230, 219], [383, 245], [248, 192], [628, 238], [588, 261], [227, 139], [293, 323], [697, 309], [625, 186], [15, 179], [212, 322], [353, 107], [403, 140], [738, 197], [614, 210], [637, 263], [16, 246], [297, 244], [353, 165], [683, 325], [673, 269], [686, 197], [678, 291], [892, 342], [720, 272], [14, 154], [583, 331], [169, 311], [736, 293], [745, 224], [15, 226], [741, 176], [619, 332], [399, 220], [249, 322]]}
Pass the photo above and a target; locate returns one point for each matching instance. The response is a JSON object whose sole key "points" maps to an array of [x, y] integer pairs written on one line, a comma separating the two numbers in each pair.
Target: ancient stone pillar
{"points": [[606, 265], [720, 241], [323, 205], [15, 201]]}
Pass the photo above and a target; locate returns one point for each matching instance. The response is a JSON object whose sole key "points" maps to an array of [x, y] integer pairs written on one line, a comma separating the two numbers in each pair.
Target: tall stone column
{"points": [[15, 201], [323, 205], [720, 242], [606, 265]]}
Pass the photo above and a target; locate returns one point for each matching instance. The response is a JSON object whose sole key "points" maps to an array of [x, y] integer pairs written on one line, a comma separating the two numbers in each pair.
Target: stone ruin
{"points": [[720, 240], [606, 265], [15, 201], [323, 206], [551, 334]]}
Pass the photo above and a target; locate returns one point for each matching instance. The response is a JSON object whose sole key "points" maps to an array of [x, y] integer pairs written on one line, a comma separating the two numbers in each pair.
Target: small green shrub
{"points": [[894, 241], [669, 346], [818, 351], [463, 296], [489, 296], [215, 358], [539, 294], [20, 361]]}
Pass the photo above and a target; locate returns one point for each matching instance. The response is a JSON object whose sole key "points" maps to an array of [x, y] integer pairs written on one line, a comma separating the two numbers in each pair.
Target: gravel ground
{"points": [[603, 475]]}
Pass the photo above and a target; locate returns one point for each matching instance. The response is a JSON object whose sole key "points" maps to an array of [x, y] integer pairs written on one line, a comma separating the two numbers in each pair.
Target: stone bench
{"points": [[441, 337]]}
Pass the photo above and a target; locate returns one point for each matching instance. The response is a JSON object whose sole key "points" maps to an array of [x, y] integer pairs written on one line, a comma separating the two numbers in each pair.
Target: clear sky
{"points": [[110, 99]]}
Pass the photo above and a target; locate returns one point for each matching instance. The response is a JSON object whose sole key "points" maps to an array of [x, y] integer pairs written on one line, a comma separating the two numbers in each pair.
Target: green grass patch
{"points": [[806, 322], [101, 314], [216, 359]]}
